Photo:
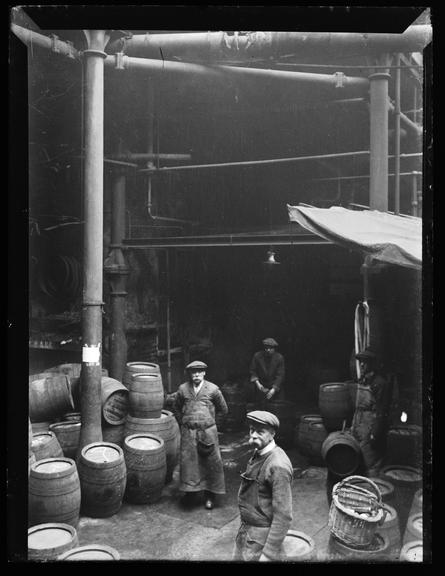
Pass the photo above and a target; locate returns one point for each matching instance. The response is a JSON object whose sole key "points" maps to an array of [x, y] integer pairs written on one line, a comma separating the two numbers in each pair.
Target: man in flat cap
{"points": [[371, 415], [265, 495], [200, 461], [267, 373]]}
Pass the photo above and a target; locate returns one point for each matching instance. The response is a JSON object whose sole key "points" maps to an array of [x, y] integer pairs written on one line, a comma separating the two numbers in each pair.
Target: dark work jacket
{"points": [[268, 370], [265, 500]]}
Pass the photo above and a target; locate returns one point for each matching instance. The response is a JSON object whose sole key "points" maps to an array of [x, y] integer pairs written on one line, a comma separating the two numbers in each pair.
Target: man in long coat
{"points": [[196, 403]]}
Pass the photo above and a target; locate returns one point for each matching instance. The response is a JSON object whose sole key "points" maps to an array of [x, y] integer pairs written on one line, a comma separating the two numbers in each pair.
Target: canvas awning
{"points": [[382, 236]]}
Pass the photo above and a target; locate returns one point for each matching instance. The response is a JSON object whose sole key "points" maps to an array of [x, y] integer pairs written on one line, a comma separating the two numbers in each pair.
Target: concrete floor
{"points": [[165, 531]]}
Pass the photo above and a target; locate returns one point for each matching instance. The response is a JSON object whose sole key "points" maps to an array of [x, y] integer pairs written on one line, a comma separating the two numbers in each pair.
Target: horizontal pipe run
{"points": [[358, 86], [253, 162], [31, 38], [359, 177], [244, 46], [146, 157], [223, 241]]}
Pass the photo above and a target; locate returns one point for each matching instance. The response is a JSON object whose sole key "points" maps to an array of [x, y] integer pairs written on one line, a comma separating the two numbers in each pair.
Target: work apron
{"points": [[365, 426], [201, 466], [255, 525]]}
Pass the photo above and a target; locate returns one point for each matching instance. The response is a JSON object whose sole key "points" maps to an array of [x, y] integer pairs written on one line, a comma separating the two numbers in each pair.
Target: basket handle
{"points": [[349, 478]]}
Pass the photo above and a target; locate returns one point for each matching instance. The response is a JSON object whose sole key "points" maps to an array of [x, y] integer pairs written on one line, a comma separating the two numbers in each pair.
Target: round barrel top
{"points": [[143, 442], [403, 473], [311, 418], [412, 552], [418, 496], [91, 552], [141, 366], [146, 376], [47, 536], [384, 486], [50, 465], [101, 452], [40, 438], [405, 430], [297, 544], [417, 522], [66, 424], [334, 385]]}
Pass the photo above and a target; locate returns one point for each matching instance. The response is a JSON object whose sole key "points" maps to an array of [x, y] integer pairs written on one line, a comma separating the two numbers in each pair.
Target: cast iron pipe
{"points": [[147, 157], [91, 375], [352, 85], [245, 45], [378, 159], [397, 138], [31, 38]]}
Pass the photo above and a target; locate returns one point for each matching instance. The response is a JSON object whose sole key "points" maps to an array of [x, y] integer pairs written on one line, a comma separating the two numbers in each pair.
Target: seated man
{"points": [[267, 373]]}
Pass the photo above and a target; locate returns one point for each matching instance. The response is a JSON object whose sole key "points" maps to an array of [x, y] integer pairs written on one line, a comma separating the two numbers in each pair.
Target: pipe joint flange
{"points": [[120, 61], [340, 79], [379, 76], [96, 53], [92, 303], [54, 43], [71, 49]]}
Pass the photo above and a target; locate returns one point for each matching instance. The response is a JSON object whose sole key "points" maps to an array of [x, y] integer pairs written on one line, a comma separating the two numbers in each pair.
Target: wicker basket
{"points": [[356, 511]]}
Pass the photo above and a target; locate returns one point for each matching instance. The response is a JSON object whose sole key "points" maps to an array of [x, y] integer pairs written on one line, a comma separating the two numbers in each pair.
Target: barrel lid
{"points": [[101, 452], [405, 429], [143, 442], [391, 514], [297, 544], [50, 465], [66, 424], [384, 486], [417, 522], [403, 473], [45, 536], [412, 551], [312, 417], [91, 552], [40, 438], [145, 375], [142, 365]]}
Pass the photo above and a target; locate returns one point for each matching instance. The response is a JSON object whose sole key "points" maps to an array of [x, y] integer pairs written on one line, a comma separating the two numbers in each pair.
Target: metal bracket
{"points": [[71, 49], [339, 79], [54, 40], [119, 61]]}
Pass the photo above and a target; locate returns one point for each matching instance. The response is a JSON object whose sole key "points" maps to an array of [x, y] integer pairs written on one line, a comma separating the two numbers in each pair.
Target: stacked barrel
{"points": [[151, 434]]}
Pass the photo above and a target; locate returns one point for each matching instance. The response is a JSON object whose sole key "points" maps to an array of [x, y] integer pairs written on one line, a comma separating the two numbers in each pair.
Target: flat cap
{"points": [[196, 365], [264, 418], [367, 354], [270, 342]]}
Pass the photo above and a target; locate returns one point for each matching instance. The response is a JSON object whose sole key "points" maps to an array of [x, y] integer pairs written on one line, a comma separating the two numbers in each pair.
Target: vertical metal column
{"points": [[116, 271], [414, 194], [378, 185], [397, 137], [90, 404]]}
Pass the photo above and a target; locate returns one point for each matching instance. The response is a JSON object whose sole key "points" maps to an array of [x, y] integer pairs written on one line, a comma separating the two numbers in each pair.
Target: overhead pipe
{"points": [[378, 159], [150, 157], [397, 138], [358, 177], [247, 45], [253, 162], [31, 38], [352, 85], [91, 373], [413, 127]]}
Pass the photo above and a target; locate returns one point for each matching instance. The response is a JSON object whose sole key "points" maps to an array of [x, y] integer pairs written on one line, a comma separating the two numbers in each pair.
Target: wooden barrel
{"points": [[49, 397], [91, 552], [138, 368], [146, 467], [48, 541], [406, 481], [308, 437], [404, 445], [146, 397], [391, 529], [341, 453], [312, 434], [286, 412], [31, 460], [412, 551], [114, 398], [73, 371], [335, 406], [167, 428], [113, 434], [103, 477], [68, 435], [46, 445], [54, 492], [414, 528], [376, 550], [298, 547]]}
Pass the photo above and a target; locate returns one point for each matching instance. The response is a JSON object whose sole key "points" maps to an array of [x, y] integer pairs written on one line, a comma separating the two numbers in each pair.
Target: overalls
{"points": [[255, 525], [364, 425]]}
